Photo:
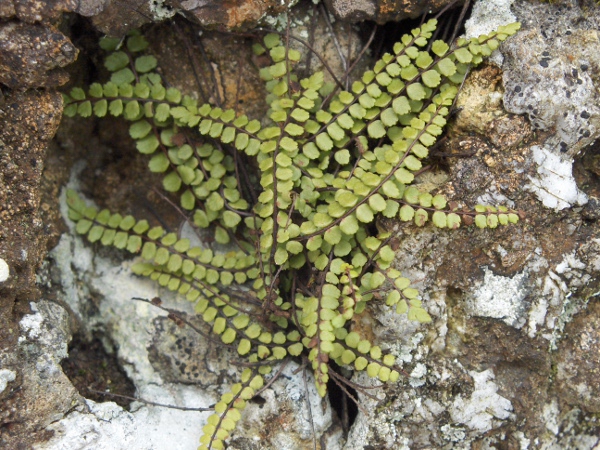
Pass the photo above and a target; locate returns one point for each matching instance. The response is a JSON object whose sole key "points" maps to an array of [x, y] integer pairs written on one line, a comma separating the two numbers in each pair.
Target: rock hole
{"points": [[258, 400], [343, 405], [92, 370]]}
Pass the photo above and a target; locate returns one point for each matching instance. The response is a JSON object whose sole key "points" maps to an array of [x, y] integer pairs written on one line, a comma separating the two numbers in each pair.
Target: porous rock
{"points": [[32, 11], [33, 337], [509, 306], [382, 11], [28, 121], [116, 18], [550, 74], [33, 55], [232, 14]]}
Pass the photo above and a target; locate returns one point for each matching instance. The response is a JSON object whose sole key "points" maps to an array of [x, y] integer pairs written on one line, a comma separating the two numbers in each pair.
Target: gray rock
{"points": [[549, 75]]}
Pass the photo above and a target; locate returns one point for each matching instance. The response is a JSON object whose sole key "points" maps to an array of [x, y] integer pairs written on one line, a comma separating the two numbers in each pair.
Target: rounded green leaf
{"points": [[421, 217], [401, 106], [231, 219], [159, 163], [116, 61], [431, 78], [439, 48], [415, 91], [376, 129], [364, 213], [439, 219], [148, 144], [172, 182], [123, 76], [463, 55], [481, 221], [446, 67], [349, 225]]}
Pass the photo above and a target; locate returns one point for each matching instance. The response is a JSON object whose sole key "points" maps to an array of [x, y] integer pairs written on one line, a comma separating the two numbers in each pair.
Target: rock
{"points": [[32, 11], [27, 122], [505, 307], [116, 18], [6, 376], [4, 271], [381, 11], [232, 14], [33, 55], [38, 392], [549, 75], [578, 362], [592, 209]]}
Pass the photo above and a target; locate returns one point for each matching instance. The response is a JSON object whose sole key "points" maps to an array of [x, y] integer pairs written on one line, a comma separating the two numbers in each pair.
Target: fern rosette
{"points": [[304, 257]]}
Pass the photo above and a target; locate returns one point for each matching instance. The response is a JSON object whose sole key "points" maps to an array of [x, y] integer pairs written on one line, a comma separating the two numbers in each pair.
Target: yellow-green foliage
{"points": [[303, 246]]}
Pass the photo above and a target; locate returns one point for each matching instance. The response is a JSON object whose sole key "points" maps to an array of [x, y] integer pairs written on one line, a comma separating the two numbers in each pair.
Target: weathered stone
{"points": [[231, 14], [32, 55], [382, 11], [116, 18], [578, 360], [32, 11], [40, 393], [27, 123], [549, 75]]}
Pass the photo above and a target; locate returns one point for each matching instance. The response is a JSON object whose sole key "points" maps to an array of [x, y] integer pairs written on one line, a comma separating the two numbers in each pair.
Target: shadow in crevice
{"points": [[342, 404], [93, 371]]}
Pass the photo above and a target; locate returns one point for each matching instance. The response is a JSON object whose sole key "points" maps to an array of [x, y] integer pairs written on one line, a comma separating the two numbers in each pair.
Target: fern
{"points": [[328, 165]]}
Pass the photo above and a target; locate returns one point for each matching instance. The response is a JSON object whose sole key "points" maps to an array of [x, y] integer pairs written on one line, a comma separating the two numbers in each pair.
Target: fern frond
{"points": [[327, 164]]}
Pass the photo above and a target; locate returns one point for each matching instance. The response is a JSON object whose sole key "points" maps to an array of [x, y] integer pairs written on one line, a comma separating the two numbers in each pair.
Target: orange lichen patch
{"points": [[363, 324], [387, 7], [242, 12]]}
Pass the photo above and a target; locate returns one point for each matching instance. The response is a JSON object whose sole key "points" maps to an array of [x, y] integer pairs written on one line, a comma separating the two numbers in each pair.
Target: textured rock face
{"points": [[382, 11], [116, 18], [31, 11], [510, 360], [27, 123], [32, 55], [551, 76], [34, 391], [232, 14]]}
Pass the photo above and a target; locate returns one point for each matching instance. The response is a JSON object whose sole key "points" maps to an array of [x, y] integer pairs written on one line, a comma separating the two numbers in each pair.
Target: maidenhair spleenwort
{"points": [[305, 255]]}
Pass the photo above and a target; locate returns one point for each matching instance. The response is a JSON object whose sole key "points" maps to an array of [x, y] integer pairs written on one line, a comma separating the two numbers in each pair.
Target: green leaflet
{"points": [[299, 214]]}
